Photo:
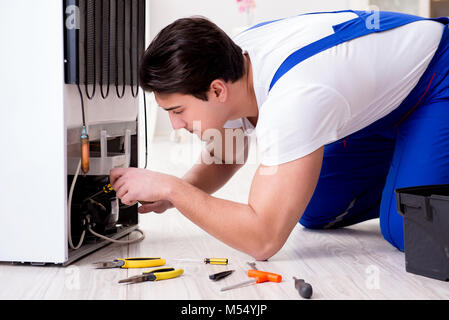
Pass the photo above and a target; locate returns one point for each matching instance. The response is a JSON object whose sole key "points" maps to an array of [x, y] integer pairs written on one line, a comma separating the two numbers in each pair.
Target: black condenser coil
{"points": [[104, 41]]}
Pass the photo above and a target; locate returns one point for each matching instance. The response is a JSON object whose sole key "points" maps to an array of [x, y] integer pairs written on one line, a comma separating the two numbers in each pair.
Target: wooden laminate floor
{"points": [[350, 263]]}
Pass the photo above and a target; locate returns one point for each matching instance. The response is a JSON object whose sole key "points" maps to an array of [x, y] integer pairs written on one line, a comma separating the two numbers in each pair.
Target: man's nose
{"points": [[177, 123]]}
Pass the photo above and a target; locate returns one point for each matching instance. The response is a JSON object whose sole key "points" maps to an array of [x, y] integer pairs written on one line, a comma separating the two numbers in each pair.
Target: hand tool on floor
{"points": [[304, 288], [130, 263], [154, 275], [206, 260], [220, 275], [259, 277]]}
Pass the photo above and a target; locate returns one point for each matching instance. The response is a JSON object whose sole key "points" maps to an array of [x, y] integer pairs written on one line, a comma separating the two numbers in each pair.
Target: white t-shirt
{"points": [[333, 93]]}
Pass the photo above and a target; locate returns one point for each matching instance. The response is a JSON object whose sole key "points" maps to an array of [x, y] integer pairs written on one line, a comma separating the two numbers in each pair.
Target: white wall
{"points": [[226, 15]]}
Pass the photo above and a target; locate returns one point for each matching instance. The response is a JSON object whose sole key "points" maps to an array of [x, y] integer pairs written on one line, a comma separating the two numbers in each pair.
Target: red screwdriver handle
{"points": [[263, 276]]}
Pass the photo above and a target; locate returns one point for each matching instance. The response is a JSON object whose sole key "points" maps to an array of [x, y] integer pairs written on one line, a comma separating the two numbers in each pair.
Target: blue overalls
{"points": [[408, 147]]}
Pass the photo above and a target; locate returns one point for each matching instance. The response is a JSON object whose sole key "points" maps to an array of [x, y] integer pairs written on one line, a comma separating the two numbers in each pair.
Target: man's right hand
{"points": [[157, 206]]}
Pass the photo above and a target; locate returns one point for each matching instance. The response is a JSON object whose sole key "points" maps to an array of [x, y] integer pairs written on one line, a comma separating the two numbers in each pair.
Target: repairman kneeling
{"points": [[346, 107]]}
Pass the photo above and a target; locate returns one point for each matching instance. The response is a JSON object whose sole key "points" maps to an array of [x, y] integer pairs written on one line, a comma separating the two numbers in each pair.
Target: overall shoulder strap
{"points": [[366, 23], [302, 14]]}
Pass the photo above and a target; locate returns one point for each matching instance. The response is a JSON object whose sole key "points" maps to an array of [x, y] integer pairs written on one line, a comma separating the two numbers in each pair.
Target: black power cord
{"points": [[146, 129], [82, 105]]}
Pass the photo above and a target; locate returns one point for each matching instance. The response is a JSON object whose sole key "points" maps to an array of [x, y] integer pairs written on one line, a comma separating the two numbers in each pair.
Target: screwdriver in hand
{"points": [[259, 277]]}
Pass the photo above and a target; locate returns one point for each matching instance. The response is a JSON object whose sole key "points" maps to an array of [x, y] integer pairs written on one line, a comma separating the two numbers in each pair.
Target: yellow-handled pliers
{"points": [[131, 263], [154, 275]]}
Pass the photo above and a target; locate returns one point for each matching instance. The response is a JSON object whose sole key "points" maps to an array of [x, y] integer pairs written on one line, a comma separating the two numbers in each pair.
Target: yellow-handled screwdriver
{"points": [[222, 261]]}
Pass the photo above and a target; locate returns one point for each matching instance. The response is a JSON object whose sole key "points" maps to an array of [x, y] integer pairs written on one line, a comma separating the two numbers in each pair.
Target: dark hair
{"points": [[187, 55]]}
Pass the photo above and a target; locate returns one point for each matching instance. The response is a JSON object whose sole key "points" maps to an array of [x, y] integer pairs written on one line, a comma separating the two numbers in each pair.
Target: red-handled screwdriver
{"points": [[259, 277]]}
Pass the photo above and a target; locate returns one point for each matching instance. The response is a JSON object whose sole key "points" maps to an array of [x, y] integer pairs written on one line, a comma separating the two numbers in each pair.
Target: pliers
{"points": [[154, 275], [131, 263]]}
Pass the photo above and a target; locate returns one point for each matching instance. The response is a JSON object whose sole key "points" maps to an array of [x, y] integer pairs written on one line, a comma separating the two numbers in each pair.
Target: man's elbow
{"points": [[267, 238], [265, 252], [265, 249]]}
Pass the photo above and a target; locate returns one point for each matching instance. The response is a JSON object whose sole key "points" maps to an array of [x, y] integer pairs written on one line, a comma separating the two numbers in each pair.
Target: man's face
{"points": [[189, 112]]}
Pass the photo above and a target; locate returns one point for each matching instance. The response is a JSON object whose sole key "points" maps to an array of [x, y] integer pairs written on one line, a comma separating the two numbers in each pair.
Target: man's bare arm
{"points": [[278, 198], [211, 177]]}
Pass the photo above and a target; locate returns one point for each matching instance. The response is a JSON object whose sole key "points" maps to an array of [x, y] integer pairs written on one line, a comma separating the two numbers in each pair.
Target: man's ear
{"points": [[219, 90]]}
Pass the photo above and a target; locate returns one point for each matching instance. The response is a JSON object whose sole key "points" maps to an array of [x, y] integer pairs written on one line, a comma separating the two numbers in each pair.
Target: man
{"points": [[347, 106]]}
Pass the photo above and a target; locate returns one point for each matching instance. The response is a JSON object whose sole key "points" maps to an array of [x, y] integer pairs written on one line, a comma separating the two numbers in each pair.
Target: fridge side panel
{"points": [[33, 189]]}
